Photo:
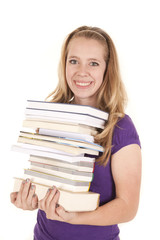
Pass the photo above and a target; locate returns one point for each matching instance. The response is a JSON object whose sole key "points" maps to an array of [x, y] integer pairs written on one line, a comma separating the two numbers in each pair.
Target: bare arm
{"points": [[126, 170]]}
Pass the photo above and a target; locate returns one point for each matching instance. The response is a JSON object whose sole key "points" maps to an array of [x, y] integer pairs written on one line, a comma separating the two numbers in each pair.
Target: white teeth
{"points": [[82, 84]]}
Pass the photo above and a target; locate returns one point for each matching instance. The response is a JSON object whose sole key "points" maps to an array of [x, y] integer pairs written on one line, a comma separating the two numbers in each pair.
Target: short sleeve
{"points": [[124, 134]]}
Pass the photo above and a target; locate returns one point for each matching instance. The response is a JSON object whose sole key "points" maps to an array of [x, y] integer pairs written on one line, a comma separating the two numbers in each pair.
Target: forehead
{"points": [[85, 46]]}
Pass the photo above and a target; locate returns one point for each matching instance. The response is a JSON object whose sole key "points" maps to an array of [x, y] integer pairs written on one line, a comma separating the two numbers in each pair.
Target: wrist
{"points": [[74, 217]]}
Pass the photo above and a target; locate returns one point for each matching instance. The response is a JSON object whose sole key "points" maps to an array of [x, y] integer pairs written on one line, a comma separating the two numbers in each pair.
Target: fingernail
{"points": [[32, 186], [34, 195], [27, 180], [52, 187], [57, 205]]}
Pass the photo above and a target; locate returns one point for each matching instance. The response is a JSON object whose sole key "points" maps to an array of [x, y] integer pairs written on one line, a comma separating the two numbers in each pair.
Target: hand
{"points": [[26, 198], [49, 204]]}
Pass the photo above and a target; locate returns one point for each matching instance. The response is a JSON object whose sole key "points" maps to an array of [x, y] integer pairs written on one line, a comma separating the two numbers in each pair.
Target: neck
{"points": [[89, 102]]}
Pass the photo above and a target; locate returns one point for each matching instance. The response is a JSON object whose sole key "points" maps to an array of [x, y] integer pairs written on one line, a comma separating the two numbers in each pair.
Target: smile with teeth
{"points": [[83, 84]]}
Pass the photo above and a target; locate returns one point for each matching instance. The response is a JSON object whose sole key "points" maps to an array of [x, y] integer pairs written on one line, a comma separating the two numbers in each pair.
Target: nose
{"points": [[82, 70]]}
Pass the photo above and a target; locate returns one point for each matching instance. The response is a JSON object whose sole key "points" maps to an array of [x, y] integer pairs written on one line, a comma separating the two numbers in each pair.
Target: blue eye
{"points": [[94, 64], [73, 61]]}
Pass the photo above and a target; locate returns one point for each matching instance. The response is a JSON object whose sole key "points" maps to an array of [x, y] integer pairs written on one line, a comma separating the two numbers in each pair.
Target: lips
{"points": [[82, 84]]}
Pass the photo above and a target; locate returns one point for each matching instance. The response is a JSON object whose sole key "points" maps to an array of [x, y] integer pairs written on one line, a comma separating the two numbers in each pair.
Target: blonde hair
{"points": [[111, 95]]}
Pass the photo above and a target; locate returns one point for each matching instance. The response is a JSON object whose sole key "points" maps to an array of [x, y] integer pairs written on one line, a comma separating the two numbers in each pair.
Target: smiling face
{"points": [[85, 68]]}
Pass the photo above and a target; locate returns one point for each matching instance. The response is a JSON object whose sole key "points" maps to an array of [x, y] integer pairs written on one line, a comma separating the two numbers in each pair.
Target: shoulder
{"points": [[124, 133]]}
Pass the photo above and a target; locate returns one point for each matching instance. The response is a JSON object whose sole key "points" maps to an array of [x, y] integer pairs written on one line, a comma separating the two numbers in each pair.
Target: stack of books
{"points": [[61, 151]]}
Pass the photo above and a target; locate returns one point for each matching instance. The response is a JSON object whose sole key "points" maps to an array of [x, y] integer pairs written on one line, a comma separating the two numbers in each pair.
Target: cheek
{"points": [[99, 76], [69, 73]]}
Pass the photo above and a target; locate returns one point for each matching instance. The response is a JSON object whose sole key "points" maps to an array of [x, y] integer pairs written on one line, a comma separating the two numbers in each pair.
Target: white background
{"points": [[31, 35]]}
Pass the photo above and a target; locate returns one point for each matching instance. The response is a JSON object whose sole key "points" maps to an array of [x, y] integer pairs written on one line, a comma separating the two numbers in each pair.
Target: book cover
{"points": [[84, 109], [50, 115]]}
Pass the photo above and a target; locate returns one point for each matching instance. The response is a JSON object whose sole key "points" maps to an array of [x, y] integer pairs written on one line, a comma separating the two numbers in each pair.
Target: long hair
{"points": [[111, 95]]}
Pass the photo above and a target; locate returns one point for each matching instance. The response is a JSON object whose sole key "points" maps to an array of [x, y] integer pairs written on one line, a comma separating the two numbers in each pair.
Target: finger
{"points": [[42, 202], [19, 195], [13, 197], [54, 201], [25, 190], [34, 201], [60, 211], [51, 199], [37, 130], [31, 193]]}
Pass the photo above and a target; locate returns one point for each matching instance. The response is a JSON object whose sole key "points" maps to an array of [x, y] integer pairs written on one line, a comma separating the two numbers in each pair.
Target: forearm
{"points": [[114, 212]]}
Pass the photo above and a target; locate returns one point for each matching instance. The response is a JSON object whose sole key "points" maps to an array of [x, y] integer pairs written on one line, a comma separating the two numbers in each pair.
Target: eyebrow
{"points": [[73, 57], [90, 59]]}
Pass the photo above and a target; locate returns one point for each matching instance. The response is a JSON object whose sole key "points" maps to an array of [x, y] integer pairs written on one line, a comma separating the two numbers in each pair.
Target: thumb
{"points": [[61, 212], [13, 197]]}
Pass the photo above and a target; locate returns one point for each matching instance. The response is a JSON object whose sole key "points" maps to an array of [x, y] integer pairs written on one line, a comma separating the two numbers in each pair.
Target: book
{"points": [[71, 141], [81, 166], [71, 108], [72, 202], [62, 172], [50, 115], [47, 149], [32, 150], [78, 136], [63, 152], [66, 147], [59, 182], [76, 128]]}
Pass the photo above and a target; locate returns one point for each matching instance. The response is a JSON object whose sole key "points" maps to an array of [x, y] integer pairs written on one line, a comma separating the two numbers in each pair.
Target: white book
{"points": [[81, 166], [50, 115], [62, 172], [78, 136], [73, 108], [59, 182], [70, 141], [62, 148], [28, 149], [76, 202], [76, 128]]}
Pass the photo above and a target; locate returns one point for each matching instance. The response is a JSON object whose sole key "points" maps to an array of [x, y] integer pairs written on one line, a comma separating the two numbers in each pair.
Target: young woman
{"points": [[89, 75]]}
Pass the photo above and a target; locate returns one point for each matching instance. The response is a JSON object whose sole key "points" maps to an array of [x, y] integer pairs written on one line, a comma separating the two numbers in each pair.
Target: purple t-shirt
{"points": [[103, 183]]}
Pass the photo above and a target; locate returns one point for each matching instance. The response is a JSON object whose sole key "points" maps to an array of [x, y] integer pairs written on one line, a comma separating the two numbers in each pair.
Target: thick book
{"points": [[34, 150], [66, 127], [62, 172], [72, 108], [81, 166], [51, 115], [59, 182], [65, 147], [63, 140], [72, 202]]}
